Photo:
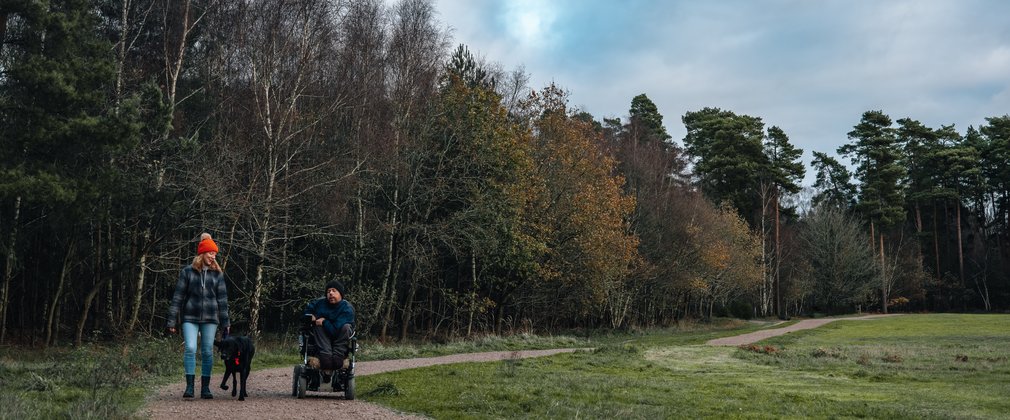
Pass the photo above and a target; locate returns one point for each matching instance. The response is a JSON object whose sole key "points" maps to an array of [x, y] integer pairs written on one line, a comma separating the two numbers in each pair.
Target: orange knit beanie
{"points": [[206, 244]]}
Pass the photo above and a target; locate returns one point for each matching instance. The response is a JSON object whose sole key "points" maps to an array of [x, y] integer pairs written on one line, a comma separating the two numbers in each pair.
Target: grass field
{"points": [[910, 366], [110, 381]]}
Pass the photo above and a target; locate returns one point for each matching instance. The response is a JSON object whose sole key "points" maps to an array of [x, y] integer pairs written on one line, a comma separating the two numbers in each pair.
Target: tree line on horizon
{"points": [[348, 140]]}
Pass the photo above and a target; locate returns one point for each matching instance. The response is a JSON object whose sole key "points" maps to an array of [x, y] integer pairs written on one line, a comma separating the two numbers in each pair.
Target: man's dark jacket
{"points": [[336, 314]]}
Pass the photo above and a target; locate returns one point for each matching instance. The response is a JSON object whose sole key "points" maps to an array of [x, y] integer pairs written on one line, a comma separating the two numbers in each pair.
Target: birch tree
{"points": [[277, 137]]}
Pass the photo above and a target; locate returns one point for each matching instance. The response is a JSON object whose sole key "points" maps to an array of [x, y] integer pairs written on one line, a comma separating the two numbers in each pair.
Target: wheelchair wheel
{"points": [[303, 384], [349, 389], [294, 380]]}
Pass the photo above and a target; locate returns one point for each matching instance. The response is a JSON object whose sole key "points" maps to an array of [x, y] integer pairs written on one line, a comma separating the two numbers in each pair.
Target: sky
{"points": [[810, 67]]}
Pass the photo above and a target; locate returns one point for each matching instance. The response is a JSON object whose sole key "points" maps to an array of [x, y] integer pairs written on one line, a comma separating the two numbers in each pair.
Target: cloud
{"points": [[529, 22], [811, 68]]}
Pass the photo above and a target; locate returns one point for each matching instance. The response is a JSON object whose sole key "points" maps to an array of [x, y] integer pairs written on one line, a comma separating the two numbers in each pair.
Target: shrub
{"points": [[385, 388]]}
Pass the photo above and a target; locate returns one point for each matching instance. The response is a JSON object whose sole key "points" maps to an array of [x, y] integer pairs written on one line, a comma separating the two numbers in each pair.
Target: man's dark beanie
{"points": [[333, 284]]}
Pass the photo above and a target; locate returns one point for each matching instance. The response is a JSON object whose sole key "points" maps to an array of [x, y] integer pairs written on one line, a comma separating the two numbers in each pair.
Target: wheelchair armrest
{"points": [[306, 321]]}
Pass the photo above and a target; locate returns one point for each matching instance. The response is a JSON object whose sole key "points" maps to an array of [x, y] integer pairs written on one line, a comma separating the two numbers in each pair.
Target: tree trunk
{"points": [[473, 294], [88, 300], [359, 243], [121, 48], [261, 248], [960, 247], [873, 239], [254, 300], [936, 244], [109, 292], [154, 308], [54, 306], [407, 306], [139, 286], [918, 219], [883, 276], [767, 288], [139, 289], [388, 318], [9, 269], [500, 319], [174, 67], [388, 276], [778, 262], [231, 237]]}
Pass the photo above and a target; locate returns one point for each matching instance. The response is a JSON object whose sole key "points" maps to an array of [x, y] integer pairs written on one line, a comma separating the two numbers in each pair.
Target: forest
{"points": [[356, 140]]}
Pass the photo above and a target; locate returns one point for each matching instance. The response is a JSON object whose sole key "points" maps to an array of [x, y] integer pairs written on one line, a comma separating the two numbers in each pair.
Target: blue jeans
{"points": [[207, 331]]}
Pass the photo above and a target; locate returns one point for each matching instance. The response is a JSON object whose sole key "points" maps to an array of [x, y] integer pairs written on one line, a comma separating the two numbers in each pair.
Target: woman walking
{"points": [[201, 298]]}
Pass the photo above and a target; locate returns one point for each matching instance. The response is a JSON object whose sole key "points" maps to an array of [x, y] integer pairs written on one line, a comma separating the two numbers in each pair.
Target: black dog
{"points": [[237, 353]]}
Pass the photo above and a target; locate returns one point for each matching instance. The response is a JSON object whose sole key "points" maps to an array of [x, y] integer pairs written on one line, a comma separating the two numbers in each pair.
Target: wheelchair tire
{"points": [[294, 380], [349, 389], [303, 384]]}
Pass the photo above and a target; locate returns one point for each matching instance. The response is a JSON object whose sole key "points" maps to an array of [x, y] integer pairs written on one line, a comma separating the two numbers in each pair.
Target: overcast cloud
{"points": [[809, 67]]}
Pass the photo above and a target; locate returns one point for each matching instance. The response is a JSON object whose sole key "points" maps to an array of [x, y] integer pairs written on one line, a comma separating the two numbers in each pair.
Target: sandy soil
{"points": [[270, 393], [763, 334]]}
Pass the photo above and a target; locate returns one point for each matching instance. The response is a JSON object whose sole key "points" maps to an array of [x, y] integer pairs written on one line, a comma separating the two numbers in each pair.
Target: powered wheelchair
{"points": [[309, 378]]}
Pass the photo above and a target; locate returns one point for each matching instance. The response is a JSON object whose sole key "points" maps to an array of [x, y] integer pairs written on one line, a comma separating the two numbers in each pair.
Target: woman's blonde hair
{"points": [[198, 264]]}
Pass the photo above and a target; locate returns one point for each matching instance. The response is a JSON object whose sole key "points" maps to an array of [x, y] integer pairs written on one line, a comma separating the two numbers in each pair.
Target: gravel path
{"points": [[270, 393], [805, 324]]}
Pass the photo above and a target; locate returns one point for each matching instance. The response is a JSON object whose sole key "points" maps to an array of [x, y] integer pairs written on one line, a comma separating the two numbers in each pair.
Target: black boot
{"points": [[189, 386], [205, 388]]}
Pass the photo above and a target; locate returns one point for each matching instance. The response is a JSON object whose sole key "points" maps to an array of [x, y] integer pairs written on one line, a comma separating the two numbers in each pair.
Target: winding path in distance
{"points": [[806, 324]]}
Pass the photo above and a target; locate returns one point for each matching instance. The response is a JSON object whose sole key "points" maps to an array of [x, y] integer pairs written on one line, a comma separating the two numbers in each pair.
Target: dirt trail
{"points": [[805, 324], [270, 393]]}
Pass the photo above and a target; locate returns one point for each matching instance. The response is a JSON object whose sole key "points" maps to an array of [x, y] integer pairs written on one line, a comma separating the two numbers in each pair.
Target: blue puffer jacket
{"points": [[202, 296], [336, 315]]}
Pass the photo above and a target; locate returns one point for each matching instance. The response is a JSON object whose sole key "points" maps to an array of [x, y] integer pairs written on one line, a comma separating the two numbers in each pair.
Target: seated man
{"points": [[332, 324]]}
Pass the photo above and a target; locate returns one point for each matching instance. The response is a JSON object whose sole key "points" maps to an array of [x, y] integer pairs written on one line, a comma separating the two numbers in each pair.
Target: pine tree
{"points": [[645, 113], [833, 183], [729, 157], [63, 129], [878, 160]]}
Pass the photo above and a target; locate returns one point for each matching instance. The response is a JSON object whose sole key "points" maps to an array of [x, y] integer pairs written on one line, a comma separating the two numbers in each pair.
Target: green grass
{"points": [[89, 382], [912, 366], [102, 381]]}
